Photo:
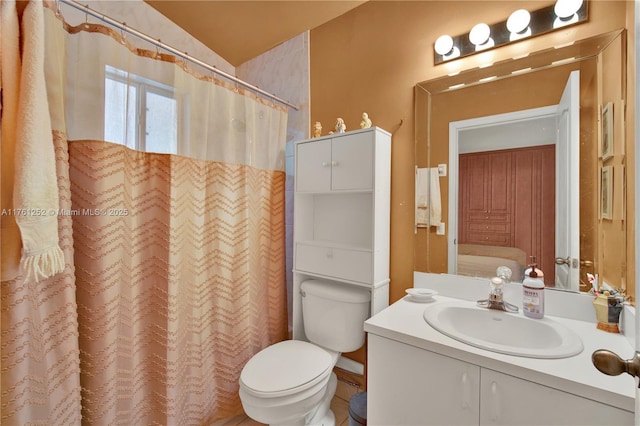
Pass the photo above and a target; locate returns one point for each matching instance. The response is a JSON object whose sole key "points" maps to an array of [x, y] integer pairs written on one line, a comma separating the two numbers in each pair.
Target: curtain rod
{"points": [[123, 26]]}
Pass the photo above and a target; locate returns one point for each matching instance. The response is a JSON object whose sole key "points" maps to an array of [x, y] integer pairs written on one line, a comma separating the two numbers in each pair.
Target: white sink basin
{"points": [[507, 333]]}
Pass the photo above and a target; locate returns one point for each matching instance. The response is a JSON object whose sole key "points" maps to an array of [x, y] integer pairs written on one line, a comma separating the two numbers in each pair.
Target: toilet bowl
{"points": [[292, 382]]}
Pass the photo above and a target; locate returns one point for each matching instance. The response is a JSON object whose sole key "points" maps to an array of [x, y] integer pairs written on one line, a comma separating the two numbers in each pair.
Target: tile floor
{"points": [[339, 406]]}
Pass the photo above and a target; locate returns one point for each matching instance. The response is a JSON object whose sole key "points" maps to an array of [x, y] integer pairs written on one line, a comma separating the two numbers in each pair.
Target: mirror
{"points": [[525, 226]]}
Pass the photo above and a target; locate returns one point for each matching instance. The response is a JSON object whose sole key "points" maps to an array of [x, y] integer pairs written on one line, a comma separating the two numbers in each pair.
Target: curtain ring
{"points": [[58, 11], [86, 17], [122, 34], [158, 49]]}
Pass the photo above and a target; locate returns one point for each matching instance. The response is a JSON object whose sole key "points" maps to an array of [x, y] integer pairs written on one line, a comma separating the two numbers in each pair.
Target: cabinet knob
{"points": [[335, 163], [325, 164], [329, 254]]}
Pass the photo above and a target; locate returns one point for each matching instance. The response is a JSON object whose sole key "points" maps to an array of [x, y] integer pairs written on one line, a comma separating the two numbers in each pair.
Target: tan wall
{"points": [[370, 59]]}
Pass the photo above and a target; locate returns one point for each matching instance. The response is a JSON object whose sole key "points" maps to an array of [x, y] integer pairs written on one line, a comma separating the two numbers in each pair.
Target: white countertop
{"points": [[403, 322]]}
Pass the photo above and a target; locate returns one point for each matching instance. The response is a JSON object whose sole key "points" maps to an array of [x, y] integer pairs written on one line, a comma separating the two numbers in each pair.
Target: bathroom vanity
{"points": [[418, 375]]}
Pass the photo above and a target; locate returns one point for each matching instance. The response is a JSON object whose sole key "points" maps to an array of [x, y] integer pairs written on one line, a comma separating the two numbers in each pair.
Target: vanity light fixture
{"points": [[521, 24]]}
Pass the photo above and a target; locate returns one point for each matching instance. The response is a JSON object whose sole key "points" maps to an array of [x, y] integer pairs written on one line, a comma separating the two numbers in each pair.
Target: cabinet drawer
{"points": [[488, 227], [487, 216], [354, 265], [496, 239]]}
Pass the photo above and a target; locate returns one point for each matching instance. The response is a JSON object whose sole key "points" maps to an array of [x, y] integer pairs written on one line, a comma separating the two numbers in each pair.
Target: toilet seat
{"points": [[286, 368]]}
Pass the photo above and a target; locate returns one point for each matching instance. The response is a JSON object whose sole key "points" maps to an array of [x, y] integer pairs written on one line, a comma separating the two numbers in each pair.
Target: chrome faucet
{"points": [[495, 300]]}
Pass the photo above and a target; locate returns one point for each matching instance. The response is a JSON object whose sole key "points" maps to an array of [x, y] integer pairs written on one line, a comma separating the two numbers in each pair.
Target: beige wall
{"points": [[370, 59]]}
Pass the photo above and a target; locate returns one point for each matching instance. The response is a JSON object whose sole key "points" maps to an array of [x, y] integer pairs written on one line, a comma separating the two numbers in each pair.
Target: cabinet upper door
{"points": [[352, 161], [313, 166], [499, 184]]}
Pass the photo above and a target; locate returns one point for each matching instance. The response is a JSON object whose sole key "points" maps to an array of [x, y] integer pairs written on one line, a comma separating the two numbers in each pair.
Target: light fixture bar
{"points": [[541, 21]]}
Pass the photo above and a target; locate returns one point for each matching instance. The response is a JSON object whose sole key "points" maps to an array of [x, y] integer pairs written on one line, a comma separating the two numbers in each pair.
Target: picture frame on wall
{"points": [[606, 192], [606, 144]]}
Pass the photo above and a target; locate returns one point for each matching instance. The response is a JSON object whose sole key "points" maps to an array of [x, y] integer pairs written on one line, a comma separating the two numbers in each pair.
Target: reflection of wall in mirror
{"points": [[533, 90], [613, 253]]}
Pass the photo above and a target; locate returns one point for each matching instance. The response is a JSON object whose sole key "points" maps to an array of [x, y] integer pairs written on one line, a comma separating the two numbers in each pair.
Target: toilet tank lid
{"points": [[347, 293]]}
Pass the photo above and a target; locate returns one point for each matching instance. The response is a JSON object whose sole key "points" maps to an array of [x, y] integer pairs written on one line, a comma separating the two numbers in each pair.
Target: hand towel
{"points": [[435, 200], [422, 197], [427, 198], [35, 195], [10, 89]]}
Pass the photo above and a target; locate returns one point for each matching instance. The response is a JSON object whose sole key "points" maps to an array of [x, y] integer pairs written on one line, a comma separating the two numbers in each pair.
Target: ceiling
{"points": [[239, 30]]}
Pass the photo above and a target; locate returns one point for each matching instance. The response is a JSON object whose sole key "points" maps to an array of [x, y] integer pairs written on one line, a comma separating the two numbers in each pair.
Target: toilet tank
{"points": [[334, 314]]}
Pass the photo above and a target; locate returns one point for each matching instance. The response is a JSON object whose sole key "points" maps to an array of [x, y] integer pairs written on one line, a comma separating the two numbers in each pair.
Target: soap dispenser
{"points": [[533, 292]]}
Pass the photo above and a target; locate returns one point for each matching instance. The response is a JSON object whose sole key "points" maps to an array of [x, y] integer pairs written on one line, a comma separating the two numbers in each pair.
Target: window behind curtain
{"points": [[140, 113]]}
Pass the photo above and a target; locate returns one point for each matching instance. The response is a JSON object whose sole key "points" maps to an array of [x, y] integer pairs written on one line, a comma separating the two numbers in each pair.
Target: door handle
{"points": [[571, 263], [611, 364], [586, 263]]}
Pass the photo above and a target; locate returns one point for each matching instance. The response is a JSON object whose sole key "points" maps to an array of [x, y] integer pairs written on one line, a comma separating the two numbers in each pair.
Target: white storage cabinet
{"points": [[342, 213]]}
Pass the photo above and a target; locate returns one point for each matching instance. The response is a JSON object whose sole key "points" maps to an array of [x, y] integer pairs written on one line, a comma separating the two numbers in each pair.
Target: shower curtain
{"points": [[175, 270]]}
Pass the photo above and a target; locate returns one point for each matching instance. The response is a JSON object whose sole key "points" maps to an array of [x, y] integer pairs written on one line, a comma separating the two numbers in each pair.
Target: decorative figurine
{"points": [[340, 126], [366, 121], [317, 129]]}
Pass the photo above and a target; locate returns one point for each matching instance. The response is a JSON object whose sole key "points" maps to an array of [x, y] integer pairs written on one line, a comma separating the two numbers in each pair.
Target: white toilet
{"points": [[292, 382]]}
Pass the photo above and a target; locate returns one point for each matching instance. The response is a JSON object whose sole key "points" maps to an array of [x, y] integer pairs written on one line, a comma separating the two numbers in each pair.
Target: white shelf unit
{"points": [[342, 214]]}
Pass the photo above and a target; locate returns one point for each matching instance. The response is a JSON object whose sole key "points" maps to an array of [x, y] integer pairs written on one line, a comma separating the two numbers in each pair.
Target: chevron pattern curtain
{"points": [[175, 257], [180, 266]]}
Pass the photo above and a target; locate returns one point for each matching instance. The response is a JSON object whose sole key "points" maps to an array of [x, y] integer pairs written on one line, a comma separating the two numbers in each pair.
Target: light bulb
{"points": [[444, 44], [452, 54], [565, 9], [518, 21], [479, 34]]}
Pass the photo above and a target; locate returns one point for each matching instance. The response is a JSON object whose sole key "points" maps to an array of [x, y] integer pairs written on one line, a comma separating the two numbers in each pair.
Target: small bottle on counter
{"points": [[533, 293]]}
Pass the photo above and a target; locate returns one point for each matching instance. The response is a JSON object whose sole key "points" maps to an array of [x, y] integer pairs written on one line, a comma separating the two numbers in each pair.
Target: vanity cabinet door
{"points": [[507, 400], [411, 386]]}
